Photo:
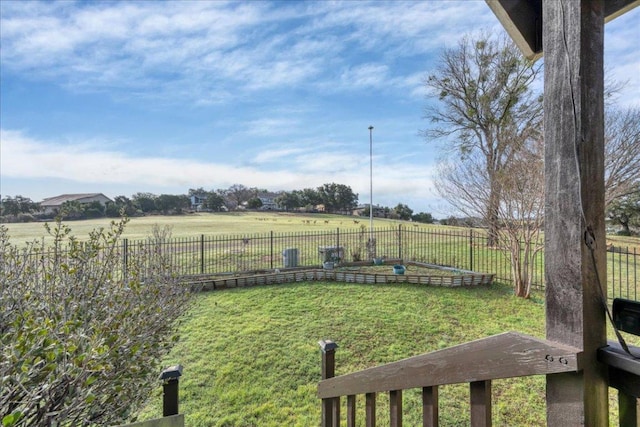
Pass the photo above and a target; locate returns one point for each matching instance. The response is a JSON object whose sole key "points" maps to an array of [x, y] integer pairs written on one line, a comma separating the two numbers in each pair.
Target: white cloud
{"points": [[291, 168], [229, 47], [271, 155], [365, 75]]}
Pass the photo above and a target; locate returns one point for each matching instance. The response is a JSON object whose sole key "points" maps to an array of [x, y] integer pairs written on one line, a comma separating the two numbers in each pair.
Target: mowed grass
{"points": [[196, 224], [251, 356]]}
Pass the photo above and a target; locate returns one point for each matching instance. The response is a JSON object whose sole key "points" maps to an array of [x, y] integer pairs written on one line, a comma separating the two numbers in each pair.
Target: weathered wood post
{"points": [[572, 35], [575, 258], [330, 406]]}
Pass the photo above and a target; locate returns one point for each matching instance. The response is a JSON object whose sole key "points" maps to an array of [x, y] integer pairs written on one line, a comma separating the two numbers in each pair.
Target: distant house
{"points": [[269, 202], [197, 202], [52, 205], [378, 211]]}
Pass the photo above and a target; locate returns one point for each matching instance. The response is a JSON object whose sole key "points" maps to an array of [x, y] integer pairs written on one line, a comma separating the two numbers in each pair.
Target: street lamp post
{"points": [[370, 185]]}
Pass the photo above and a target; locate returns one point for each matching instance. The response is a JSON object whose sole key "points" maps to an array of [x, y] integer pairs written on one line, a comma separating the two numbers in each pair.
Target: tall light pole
{"points": [[371, 184]]}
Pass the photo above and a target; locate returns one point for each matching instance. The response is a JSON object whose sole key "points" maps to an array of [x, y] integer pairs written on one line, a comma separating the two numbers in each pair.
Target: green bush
{"points": [[81, 339]]}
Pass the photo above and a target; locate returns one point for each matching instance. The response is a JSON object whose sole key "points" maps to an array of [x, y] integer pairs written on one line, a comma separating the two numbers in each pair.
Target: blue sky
{"points": [[148, 96]]}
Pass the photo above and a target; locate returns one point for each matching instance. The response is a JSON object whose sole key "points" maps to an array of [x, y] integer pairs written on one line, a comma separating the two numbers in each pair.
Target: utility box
{"points": [[290, 257], [331, 253]]}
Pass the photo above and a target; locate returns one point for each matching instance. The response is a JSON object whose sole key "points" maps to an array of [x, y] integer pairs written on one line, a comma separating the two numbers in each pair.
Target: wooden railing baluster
{"points": [[395, 408], [335, 413], [506, 355], [370, 410], [629, 413], [351, 410], [430, 406], [480, 393]]}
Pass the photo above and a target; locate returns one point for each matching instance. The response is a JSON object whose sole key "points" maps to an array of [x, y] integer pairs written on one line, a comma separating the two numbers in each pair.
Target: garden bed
{"points": [[417, 273]]}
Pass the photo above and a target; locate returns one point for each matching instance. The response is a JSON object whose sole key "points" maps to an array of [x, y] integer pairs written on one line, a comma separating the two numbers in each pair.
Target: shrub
{"points": [[81, 339]]}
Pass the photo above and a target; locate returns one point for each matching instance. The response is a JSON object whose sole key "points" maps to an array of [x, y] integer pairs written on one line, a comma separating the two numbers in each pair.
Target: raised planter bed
{"points": [[415, 273]]}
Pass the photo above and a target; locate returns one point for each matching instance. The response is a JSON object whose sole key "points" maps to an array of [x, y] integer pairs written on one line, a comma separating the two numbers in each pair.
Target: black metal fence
{"points": [[463, 249]]}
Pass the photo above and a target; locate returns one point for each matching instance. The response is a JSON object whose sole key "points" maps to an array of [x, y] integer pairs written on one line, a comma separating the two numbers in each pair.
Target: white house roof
{"points": [[59, 200]]}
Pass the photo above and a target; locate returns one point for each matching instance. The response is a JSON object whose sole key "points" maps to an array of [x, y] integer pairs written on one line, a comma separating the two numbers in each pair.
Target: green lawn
{"points": [[251, 356]]}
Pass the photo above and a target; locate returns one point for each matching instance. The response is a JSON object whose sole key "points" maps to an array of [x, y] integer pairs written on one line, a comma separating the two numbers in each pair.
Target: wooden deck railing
{"points": [[478, 362], [624, 375]]}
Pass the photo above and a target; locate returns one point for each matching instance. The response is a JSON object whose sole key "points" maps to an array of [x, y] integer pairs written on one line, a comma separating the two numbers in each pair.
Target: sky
{"points": [[120, 97]]}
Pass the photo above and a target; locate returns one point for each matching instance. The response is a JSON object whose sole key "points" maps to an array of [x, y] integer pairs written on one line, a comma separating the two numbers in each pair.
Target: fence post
{"points": [[202, 254], [125, 257], [399, 241], [330, 406], [471, 249], [171, 378], [271, 248]]}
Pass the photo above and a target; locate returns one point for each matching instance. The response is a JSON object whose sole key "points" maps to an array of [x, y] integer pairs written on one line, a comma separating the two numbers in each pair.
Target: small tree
{"points": [[254, 203], [146, 202], [289, 200], [625, 211], [424, 217], [521, 214], [81, 335], [403, 211], [214, 202], [17, 205]]}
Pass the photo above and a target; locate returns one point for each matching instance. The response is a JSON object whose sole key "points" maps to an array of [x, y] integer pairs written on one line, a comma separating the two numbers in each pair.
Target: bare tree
{"points": [[622, 153], [486, 108], [464, 184], [521, 213], [238, 194]]}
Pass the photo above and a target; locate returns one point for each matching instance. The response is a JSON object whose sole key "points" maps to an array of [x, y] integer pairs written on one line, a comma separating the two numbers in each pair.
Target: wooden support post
{"points": [[329, 405], [575, 263], [480, 396], [430, 414], [370, 410], [395, 408]]}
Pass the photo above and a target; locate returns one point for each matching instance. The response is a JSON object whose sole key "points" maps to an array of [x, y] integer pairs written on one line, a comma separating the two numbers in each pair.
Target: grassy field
{"points": [[241, 223], [210, 224], [251, 356], [451, 246]]}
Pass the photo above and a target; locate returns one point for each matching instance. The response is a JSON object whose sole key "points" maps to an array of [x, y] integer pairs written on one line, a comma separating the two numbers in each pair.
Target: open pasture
{"points": [[197, 224]]}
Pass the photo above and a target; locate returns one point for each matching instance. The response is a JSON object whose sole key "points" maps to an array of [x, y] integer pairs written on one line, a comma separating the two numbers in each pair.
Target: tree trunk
{"points": [[492, 216]]}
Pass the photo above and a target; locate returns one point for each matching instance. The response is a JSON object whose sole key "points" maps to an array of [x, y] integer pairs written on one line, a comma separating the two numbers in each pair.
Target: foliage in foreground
{"points": [[80, 341]]}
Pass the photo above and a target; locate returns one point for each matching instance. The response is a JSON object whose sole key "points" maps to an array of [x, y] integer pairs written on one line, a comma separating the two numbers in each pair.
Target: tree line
{"points": [[332, 197]]}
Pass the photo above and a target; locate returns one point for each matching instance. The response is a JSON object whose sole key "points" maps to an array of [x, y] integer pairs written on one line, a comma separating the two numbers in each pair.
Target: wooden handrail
{"points": [[506, 355]]}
